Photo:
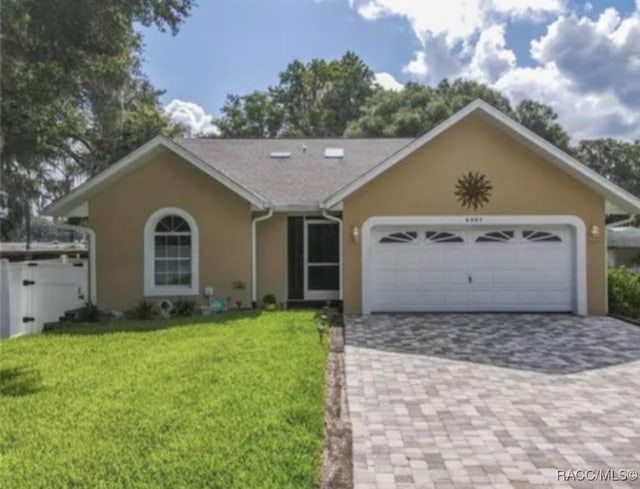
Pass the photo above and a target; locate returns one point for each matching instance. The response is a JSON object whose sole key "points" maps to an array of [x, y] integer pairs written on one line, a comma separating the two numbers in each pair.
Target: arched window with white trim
{"points": [[171, 253]]}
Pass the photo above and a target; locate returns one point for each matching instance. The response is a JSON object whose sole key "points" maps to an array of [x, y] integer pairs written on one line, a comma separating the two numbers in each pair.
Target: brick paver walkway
{"points": [[491, 400]]}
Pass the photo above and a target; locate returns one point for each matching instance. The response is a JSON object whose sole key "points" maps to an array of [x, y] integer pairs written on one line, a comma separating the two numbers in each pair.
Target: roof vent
{"points": [[281, 154], [334, 153]]}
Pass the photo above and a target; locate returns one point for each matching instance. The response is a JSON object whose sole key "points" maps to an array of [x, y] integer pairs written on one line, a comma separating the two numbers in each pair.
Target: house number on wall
{"points": [[472, 220]]}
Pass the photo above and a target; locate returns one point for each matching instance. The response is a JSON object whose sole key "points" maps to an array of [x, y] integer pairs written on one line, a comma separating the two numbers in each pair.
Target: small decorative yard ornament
{"points": [[216, 306], [322, 322], [166, 306], [473, 190]]}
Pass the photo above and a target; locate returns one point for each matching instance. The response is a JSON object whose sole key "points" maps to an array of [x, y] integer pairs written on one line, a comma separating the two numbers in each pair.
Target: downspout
{"points": [[328, 216], [92, 255], [254, 256]]}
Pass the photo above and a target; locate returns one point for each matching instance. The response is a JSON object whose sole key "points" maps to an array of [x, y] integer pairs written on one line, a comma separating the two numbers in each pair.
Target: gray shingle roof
{"points": [[306, 178], [623, 237]]}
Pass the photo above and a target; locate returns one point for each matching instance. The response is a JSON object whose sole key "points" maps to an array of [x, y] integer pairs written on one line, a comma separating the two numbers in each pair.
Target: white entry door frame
{"points": [[312, 264]]}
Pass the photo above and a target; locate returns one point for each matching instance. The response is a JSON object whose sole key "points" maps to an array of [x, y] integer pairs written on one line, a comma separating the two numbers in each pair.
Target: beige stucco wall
{"points": [[523, 184], [272, 257], [118, 215]]}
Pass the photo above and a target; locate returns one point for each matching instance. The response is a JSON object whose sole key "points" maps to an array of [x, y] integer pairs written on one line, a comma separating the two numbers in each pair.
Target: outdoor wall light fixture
{"points": [[355, 234], [594, 232]]}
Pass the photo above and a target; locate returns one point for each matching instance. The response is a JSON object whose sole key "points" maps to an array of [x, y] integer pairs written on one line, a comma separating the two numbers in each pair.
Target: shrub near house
{"points": [[624, 293]]}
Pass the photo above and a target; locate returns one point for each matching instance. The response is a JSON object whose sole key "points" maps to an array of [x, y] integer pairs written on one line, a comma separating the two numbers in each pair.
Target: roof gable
{"points": [[135, 159], [619, 199]]}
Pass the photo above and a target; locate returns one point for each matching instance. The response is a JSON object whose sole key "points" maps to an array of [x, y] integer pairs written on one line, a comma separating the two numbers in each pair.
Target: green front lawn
{"points": [[237, 401]]}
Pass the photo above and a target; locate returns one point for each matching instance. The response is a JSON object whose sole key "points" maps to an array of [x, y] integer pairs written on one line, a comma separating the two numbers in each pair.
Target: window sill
{"points": [[170, 291]]}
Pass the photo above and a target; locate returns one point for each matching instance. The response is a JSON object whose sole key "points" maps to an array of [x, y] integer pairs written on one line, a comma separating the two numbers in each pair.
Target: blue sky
{"points": [[568, 53]]}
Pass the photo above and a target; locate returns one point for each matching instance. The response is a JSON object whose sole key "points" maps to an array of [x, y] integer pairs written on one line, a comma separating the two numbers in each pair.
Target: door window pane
{"points": [[323, 243], [324, 278]]}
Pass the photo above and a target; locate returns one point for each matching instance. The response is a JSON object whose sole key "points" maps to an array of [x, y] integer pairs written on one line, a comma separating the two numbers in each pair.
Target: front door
{"points": [[321, 259]]}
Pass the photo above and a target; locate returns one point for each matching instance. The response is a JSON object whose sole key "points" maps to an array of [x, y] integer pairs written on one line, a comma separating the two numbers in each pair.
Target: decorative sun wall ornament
{"points": [[473, 190]]}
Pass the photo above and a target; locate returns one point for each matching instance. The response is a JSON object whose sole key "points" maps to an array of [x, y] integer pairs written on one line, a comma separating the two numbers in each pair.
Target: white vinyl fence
{"points": [[33, 293]]}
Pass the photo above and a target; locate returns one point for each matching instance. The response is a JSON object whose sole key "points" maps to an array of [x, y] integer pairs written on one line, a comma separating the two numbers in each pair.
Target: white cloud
{"points": [[435, 61], [587, 69], [192, 117], [418, 65], [371, 11], [387, 81], [491, 59], [597, 56], [528, 9], [587, 72], [583, 115], [457, 19], [446, 32]]}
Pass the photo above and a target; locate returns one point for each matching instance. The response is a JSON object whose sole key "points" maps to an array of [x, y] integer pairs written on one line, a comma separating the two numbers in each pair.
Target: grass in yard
{"points": [[231, 402]]}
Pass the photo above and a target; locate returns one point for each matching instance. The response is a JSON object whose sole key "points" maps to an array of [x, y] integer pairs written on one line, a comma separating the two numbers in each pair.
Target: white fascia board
{"points": [[135, 159], [610, 209], [617, 196], [296, 208], [304, 208], [81, 211]]}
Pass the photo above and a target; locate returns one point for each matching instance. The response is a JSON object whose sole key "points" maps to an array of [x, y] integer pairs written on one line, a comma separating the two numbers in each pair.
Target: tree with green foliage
{"points": [[542, 120], [418, 108], [462, 92], [73, 97], [337, 98], [255, 115], [406, 113], [317, 99], [618, 161]]}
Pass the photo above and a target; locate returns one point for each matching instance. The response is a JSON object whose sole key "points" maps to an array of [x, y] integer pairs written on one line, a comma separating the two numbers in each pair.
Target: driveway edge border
{"points": [[626, 319], [337, 452]]}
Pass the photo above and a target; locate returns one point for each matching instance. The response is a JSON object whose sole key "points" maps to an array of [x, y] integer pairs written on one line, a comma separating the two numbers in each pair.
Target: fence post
{"points": [[5, 299]]}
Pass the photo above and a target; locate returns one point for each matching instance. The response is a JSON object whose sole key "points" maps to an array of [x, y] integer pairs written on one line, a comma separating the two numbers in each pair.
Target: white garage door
{"points": [[484, 269]]}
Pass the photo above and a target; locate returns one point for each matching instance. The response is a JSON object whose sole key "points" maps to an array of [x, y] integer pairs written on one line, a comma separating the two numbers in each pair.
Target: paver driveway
{"points": [[492, 400]]}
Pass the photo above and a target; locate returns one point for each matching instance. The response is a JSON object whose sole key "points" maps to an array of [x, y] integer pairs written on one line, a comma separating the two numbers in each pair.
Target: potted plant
{"points": [[269, 302]]}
